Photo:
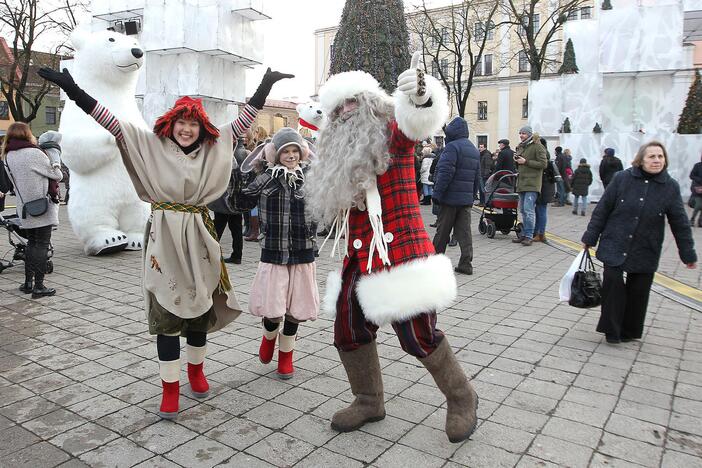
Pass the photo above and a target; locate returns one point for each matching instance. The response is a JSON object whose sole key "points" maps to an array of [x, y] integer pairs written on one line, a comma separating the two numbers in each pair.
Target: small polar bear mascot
{"points": [[311, 117], [104, 210]]}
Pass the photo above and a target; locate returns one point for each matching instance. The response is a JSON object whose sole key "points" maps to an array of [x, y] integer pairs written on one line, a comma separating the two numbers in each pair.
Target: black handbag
{"points": [[237, 202], [32, 208], [586, 288]]}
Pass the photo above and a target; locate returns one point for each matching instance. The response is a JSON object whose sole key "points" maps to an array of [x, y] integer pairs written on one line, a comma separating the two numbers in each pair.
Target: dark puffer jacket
{"points": [[458, 171], [548, 182], [582, 179], [629, 221], [505, 160], [696, 177], [609, 166]]}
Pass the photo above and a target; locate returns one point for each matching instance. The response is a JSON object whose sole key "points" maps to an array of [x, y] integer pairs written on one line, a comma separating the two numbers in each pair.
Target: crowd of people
{"points": [[363, 182]]}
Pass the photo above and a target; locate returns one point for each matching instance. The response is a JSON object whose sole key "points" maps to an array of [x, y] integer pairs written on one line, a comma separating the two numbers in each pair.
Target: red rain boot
{"points": [[285, 356], [265, 351], [169, 400], [198, 383]]}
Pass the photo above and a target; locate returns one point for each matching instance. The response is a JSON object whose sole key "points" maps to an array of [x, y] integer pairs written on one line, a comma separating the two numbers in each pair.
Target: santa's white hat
{"points": [[346, 85]]}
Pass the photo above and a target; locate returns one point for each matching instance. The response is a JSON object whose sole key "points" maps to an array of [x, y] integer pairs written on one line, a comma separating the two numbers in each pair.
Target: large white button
{"points": [[640, 199], [625, 254], [645, 181], [389, 237], [357, 244]]}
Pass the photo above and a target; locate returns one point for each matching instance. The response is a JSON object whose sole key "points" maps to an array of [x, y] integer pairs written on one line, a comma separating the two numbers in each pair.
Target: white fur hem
{"points": [[169, 370], [332, 290], [418, 123], [195, 354], [345, 85], [407, 290]]}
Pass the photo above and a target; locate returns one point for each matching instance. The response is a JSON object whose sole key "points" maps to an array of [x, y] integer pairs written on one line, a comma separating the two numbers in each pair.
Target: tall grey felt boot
{"points": [[363, 370], [461, 399]]}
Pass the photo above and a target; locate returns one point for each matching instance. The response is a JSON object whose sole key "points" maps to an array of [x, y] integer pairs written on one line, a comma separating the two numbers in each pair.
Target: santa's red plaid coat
{"points": [[402, 220]]}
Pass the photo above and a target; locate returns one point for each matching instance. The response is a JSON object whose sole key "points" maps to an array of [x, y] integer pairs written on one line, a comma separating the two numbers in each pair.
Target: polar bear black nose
{"points": [[319, 112], [138, 53]]}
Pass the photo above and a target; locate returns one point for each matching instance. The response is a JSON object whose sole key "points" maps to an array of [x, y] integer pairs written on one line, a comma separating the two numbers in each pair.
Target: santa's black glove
{"points": [[64, 80], [258, 100]]}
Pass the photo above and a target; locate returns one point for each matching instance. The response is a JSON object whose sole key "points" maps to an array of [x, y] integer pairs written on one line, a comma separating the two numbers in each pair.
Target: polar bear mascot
{"points": [[311, 117], [103, 208]]}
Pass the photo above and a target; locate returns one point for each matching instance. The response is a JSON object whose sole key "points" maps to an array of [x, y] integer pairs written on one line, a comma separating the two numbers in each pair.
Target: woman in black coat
{"points": [[629, 224], [696, 189]]}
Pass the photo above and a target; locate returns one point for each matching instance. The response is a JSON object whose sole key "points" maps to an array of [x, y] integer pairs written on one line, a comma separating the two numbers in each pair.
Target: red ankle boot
{"points": [[169, 400], [285, 356], [265, 351], [198, 383]]}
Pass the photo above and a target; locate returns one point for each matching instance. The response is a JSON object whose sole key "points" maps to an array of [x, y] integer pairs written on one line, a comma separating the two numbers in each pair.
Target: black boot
{"points": [[39, 289], [28, 284]]}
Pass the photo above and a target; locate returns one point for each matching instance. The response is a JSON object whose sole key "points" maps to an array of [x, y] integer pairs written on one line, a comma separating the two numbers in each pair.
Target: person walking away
{"points": [[505, 159], [629, 224], [531, 161], [609, 165], [30, 170], [582, 179], [696, 189], [487, 167], [563, 183], [179, 166], [457, 175], [224, 217], [427, 185], [548, 191]]}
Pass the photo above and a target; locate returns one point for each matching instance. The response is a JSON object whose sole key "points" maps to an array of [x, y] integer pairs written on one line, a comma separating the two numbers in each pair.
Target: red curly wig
{"points": [[189, 109]]}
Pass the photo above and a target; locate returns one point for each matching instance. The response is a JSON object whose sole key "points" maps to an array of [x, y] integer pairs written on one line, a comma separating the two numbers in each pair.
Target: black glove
{"points": [[64, 80], [258, 99]]}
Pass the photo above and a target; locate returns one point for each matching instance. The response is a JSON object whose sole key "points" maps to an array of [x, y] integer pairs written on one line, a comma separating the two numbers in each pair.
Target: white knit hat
{"points": [[343, 86]]}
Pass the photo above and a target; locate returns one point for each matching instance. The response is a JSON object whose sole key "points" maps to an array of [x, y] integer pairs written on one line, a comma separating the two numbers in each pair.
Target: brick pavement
{"points": [[79, 383]]}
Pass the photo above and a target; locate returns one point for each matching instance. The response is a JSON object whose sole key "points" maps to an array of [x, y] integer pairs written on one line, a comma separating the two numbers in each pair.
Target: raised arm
{"points": [[257, 101], [87, 103]]}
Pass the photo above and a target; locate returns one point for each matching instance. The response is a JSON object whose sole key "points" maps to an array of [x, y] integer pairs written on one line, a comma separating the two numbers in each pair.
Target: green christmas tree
{"points": [[565, 128], [372, 37], [597, 128], [568, 65], [691, 118], [606, 5]]}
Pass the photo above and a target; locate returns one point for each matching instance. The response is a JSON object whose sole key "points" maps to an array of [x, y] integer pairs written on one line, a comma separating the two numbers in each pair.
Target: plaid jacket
{"points": [[288, 237], [402, 220]]}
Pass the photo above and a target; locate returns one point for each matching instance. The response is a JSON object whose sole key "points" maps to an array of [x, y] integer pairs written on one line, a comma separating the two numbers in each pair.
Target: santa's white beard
{"points": [[351, 152]]}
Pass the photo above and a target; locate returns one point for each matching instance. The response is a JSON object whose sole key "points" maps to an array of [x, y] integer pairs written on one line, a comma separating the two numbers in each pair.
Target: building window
{"points": [[4, 111], [444, 67], [482, 110], [478, 31], [50, 115], [444, 35], [490, 31], [525, 108], [586, 13], [434, 69], [573, 14], [488, 64], [483, 140], [478, 66], [535, 23], [523, 61]]}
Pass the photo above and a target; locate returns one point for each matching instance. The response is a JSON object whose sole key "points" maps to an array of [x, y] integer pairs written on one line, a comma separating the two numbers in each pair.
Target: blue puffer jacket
{"points": [[457, 176]]}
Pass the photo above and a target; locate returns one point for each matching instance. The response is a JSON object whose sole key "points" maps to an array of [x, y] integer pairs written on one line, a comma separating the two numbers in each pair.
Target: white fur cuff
{"points": [[169, 370], [418, 123], [195, 354], [407, 290], [332, 290]]}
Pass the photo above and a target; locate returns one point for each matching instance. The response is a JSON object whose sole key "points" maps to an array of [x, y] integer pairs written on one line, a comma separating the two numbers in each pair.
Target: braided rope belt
{"points": [[224, 283]]}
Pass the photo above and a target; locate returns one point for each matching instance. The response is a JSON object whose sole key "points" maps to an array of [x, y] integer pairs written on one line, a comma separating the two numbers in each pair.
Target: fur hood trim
{"points": [[346, 85], [405, 291], [418, 123], [332, 289]]}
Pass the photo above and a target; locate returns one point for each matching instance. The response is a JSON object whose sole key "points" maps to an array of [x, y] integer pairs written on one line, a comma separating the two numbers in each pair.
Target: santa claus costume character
{"points": [[362, 182], [179, 167], [284, 289]]}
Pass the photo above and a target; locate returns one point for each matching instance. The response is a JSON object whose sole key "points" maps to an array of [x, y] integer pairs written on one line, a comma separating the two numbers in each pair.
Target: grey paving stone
{"points": [[408, 410], [201, 452], [672, 459], [682, 442], [400, 456], [301, 399], [119, 453], [157, 462], [36, 456], [429, 440], [273, 415], [630, 450], [504, 437], [128, 420], [643, 412], [686, 423], [572, 431], [636, 429], [531, 402], [599, 459], [391, 428], [280, 449], [83, 438], [479, 454], [519, 419], [239, 433], [324, 457], [358, 445], [56, 422], [244, 459], [560, 451], [582, 413], [30, 408], [527, 461], [311, 429], [162, 437], [203, 417], [15, 438], [97, 407]]}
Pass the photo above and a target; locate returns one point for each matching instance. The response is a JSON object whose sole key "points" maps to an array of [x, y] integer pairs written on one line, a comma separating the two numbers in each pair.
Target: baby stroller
{"points": [[18, 240], [500, 210]]}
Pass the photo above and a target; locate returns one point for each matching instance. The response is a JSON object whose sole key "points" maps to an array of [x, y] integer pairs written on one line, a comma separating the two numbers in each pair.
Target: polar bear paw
{"points": [[135, 241], [106, 242]]}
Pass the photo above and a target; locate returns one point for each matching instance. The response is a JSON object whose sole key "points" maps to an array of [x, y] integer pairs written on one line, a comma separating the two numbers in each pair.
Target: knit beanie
{"points": [[285, 137], [526, 129], [609, 152], [583, 161]]}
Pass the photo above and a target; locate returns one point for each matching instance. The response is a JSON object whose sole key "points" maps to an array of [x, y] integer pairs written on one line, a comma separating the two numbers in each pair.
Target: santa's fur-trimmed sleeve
{"points": [[419, 123]]}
